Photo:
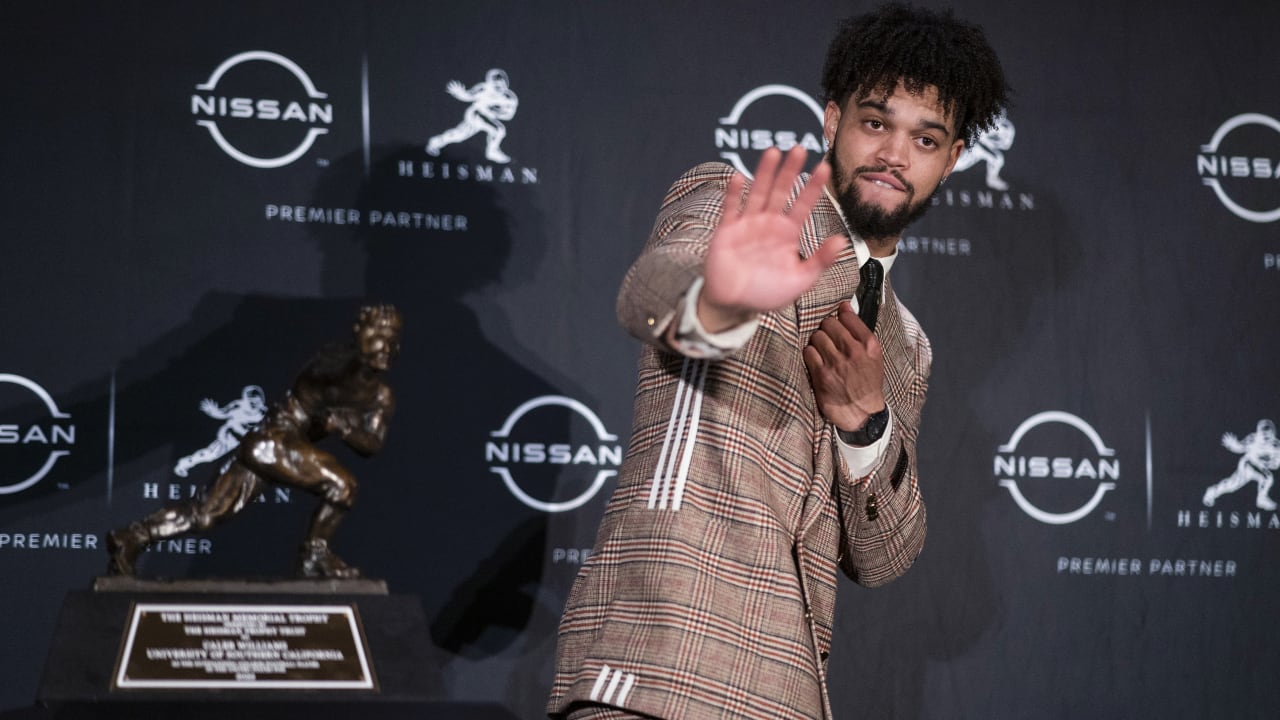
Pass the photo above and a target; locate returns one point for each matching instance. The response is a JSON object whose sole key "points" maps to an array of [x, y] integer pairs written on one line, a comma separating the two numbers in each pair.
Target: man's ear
{"points": [[830, 121], [957, 148]]}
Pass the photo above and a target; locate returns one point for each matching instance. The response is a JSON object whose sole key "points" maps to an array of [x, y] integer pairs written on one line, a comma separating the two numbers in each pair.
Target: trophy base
{"points": [[243, 648]]}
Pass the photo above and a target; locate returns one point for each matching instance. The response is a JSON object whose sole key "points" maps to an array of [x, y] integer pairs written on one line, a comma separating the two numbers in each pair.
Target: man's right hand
{"points": [[753, 263]]}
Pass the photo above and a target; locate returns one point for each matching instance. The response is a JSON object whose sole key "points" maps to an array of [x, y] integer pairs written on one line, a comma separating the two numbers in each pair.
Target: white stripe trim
{"points": [[626, 689], [613, 685], [595, 689], [693, 375], [666, 440], [693, 435], [686, 383]]}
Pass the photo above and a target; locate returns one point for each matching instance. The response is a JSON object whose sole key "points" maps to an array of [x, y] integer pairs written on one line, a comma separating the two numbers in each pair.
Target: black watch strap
{"points": [[870, 431]]}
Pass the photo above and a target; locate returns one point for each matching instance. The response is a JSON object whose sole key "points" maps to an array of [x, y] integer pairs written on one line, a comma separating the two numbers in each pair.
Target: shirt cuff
{"points": [[694, 340], [862, 460]]}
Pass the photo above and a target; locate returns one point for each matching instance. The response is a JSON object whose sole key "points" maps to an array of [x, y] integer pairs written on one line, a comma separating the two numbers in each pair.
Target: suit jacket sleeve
{"points": [[654, 288], [882, 537]]}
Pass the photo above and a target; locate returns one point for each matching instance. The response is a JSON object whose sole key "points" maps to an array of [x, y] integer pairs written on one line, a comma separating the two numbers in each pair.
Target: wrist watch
{"points": [[870, 431]]}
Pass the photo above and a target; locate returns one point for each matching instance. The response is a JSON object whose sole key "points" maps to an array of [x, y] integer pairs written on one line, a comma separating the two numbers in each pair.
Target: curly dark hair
{"points": [[871, 53]]}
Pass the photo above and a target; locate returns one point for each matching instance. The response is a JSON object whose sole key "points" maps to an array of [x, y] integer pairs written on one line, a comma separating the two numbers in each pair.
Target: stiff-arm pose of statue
{"points": [[341, 392]]}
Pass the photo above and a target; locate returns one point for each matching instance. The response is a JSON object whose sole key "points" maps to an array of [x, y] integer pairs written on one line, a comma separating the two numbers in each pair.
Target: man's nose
{"points": [[894, 150]]}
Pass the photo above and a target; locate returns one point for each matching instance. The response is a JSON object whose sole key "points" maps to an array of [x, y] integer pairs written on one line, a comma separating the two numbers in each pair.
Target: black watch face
{"points": [[875, 426], [870, 431]]}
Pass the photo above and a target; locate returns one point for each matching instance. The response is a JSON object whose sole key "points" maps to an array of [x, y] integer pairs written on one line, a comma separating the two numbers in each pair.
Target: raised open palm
{"points": [[753, 262]]}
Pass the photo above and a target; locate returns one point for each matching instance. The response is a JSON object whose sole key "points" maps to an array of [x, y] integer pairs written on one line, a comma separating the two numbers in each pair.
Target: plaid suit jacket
{"points": [[711, 590]]}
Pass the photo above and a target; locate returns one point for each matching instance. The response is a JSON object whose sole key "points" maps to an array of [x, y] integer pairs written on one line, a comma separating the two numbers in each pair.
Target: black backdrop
{"points": [[1101, 288]]}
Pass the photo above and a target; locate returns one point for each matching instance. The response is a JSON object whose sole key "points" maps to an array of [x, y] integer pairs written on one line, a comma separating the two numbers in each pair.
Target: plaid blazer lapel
{"points": [[837, 284]]}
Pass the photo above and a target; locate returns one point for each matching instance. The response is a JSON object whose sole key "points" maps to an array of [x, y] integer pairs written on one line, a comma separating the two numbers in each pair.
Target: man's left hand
{"points": [[846, 368]]}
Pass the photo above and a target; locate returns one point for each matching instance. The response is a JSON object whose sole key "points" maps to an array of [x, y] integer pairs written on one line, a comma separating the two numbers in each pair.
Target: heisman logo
{"points": [[1259, 454], [990, 148], [33, 440], [492, 102], [743, 128], [240, 416], [215, 104], [523, 445], [1012, 465]]}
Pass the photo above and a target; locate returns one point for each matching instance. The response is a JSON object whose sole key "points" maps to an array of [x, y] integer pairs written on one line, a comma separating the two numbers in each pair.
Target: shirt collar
{"points": [[860, 248]]}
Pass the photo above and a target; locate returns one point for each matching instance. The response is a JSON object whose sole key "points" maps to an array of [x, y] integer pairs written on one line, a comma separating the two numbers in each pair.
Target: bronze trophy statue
{"points": [[341, 392]]}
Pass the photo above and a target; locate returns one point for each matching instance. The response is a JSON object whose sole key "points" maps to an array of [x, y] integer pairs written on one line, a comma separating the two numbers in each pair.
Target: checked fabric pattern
{"points": [[711, 591]]}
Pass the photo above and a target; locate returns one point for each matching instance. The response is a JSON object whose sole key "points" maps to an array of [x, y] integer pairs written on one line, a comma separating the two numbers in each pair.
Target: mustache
{"points": [[864, 169]]}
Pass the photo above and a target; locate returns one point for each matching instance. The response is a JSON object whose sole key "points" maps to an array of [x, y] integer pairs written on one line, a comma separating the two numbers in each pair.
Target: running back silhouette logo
{"points": [[239, 415], [990, 148], [491, 102], [1259, 455]]}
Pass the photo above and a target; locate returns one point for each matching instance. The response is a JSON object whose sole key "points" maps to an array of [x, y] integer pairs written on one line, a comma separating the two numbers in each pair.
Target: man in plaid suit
{"points": [[774, 437]]}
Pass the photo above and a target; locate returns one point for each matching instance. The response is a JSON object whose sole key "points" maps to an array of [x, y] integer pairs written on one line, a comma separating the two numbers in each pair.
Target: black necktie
{"points": [[872, 275]]}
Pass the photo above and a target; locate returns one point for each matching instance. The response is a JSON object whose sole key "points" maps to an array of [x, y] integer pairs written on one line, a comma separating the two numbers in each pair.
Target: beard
{"points": [[868, 220]]}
